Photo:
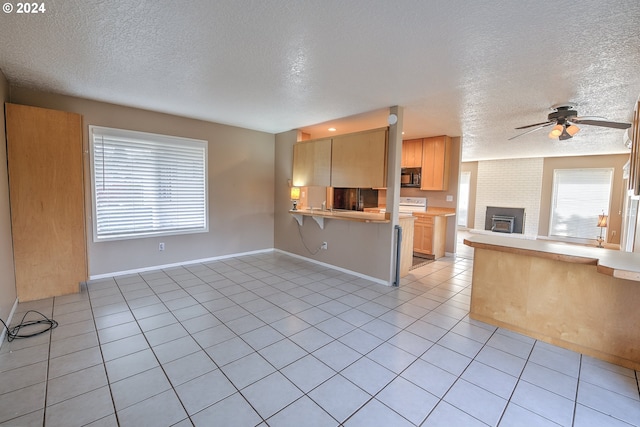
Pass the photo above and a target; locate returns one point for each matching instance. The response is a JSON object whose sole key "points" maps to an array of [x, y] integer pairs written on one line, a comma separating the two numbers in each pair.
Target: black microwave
{"points": [[410, 177]]}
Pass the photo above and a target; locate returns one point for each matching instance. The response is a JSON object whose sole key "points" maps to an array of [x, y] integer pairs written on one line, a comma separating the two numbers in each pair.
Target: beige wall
{"points": [[241, 186], [7, 272], [471, 167], [439, 198], [616, 161], [364, 248]]}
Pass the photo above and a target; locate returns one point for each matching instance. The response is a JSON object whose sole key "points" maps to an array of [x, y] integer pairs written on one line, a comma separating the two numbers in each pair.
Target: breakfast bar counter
{"points": [[581, 298]]}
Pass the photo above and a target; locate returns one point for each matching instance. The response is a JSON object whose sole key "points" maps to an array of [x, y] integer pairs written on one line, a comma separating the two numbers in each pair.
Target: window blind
{"points": [[146, 184], [579, 196]]}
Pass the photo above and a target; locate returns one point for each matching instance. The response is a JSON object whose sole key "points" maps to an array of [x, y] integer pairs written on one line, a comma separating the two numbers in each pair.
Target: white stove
{"points": [[412, 204]]}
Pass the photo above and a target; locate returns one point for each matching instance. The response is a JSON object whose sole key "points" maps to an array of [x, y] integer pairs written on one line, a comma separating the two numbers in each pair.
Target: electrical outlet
{"points": [[324, 246], [161, 246]]}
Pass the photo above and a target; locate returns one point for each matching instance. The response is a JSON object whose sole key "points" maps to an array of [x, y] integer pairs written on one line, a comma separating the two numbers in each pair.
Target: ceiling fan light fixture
{"points": [[572, 130], [556, 131]]}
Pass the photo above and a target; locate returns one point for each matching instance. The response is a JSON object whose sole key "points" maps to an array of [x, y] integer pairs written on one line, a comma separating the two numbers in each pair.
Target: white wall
{"points": [[7, 272], [512, 183]]}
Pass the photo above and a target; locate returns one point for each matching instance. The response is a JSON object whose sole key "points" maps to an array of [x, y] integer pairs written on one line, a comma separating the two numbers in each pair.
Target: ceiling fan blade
{"points": [[542, 125], [536, 124], [602, 123]]}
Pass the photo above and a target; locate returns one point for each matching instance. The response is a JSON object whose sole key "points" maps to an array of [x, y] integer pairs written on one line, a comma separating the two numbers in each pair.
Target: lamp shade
{"points": [[573, 129], [556, 131], [295, 193], [602, 220]]}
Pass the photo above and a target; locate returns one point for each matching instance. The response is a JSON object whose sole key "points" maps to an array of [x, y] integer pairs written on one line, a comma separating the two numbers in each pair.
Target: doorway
{"points": [[463, 199]]}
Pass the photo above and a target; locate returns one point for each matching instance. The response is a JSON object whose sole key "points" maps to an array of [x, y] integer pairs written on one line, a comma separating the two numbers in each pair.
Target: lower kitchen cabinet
{"points": [[406, 250], [429, 235]]}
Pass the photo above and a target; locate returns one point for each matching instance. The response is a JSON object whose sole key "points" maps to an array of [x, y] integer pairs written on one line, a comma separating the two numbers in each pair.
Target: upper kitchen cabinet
{"points": [[436, 159], [360, 159], [312, 163], [412, 153]]}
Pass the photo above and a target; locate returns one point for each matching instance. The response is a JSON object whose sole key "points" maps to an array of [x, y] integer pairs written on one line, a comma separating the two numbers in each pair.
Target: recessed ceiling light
{"points": [[332, 129]]}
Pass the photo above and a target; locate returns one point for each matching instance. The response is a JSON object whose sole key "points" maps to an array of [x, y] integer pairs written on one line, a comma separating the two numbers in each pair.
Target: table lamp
{"points": [[602, 223], [295, 196]]}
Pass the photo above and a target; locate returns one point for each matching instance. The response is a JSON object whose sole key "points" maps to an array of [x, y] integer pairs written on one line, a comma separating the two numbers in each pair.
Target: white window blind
{"points": [[579, 196], [146, 184]]}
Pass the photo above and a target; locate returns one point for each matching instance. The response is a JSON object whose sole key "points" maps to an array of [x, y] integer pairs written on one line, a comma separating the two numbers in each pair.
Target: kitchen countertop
{"points": [[344, 215], [622, 265], [436, 212], [371, 215]]}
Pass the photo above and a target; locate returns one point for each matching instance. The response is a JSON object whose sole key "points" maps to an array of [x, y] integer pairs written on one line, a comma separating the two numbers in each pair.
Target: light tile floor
{"points": [[272, 340]]}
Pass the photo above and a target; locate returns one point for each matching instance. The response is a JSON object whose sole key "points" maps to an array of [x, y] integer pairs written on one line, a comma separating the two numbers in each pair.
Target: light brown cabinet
{"points": [[412, 153], [312, 163], [436, 159], [360, 159], [429, 235], [406, 250], [44, 150]]}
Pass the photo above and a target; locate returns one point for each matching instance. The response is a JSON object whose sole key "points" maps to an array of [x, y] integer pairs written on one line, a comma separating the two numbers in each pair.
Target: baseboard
{"points": [[8, 322], [175, 264], [343, 270]]}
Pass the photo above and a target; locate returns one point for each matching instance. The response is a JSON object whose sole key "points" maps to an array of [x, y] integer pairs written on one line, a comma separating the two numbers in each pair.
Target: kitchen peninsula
{"points": [[581, 298], [320, 214], [405, 221]]}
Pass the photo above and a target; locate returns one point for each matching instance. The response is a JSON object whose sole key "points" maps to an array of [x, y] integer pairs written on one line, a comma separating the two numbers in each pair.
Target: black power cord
{"points": [[304, 244], [13, 333]]}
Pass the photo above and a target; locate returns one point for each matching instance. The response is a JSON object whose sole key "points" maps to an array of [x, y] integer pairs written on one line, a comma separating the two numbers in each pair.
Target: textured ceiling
{"points": [[462, 68]]}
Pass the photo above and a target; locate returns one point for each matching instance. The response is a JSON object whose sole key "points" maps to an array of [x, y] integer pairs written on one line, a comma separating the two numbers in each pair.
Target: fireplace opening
{"points": [[502, 223], [504, 220]]}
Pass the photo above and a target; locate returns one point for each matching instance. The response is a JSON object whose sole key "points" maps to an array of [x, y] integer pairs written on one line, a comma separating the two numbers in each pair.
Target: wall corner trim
{"points": [[8, 322], [176, 264], [343, 270]]}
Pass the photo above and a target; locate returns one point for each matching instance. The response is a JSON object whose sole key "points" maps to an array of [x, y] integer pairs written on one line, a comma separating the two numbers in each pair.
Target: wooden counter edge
{"points": [[540, 254], [602, 269], [333, 215]]}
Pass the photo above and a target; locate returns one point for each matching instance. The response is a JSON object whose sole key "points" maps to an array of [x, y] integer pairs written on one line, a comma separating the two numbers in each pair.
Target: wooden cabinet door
{"points": [[360, 159], [44, 150], [312, 163], [423, 236], [412, 153], [436, 157]]}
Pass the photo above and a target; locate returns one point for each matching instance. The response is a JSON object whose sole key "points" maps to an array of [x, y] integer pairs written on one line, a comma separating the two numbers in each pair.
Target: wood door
{"points": [[412, 153], [436, 155], [44, 150]]}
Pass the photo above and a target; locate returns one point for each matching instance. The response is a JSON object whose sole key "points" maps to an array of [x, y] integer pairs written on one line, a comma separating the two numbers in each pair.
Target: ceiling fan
{"points": [[565, 118]]}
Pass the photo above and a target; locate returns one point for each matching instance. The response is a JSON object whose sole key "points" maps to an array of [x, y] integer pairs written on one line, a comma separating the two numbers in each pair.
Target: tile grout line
{"points": [[104, 363], [46, 383], [331, 284], [191, 336], [575, 400]]}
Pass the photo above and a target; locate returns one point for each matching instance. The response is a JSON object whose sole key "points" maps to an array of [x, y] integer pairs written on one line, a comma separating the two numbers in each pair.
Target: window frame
{"points": [[148, 139], [552, 207]]}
